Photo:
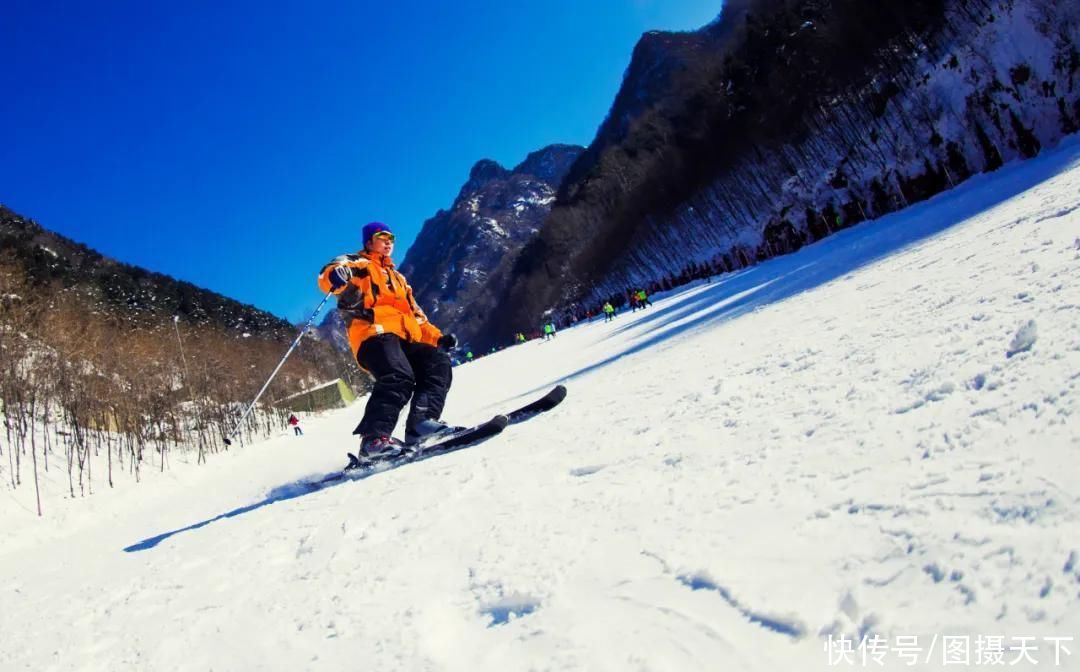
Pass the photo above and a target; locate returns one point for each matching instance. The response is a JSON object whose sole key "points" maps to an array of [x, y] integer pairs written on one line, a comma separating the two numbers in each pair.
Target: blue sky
{"points": [[240, 145]]}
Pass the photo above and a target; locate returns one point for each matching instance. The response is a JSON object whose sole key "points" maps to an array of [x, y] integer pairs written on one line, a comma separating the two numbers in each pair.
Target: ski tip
{"points": [[559, 391]]}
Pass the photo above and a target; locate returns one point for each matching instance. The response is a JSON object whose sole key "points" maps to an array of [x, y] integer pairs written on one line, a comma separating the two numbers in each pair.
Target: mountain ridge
{"points": [[799, 118], [496, 212]]}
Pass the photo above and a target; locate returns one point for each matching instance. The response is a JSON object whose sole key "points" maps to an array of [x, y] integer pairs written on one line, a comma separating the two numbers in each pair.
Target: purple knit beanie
{"points": [[371, 229]]}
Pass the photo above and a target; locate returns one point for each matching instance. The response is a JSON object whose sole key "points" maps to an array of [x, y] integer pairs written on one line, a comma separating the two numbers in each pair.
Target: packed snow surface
{"points": [[875, 437]]}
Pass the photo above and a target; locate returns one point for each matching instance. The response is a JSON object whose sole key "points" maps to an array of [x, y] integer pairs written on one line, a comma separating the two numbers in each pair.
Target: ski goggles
{"points": [[383, 235]]}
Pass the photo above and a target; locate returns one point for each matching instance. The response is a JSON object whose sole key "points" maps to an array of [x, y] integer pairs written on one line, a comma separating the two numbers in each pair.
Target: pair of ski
{"points": [[465, 438]]}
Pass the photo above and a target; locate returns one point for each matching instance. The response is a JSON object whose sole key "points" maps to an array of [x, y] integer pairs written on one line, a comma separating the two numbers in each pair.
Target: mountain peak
{"points": [[551, 163], [484, 171]]}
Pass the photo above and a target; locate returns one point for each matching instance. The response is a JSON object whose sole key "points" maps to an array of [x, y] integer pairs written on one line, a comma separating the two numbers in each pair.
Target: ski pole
{"points": [[280, 364]]}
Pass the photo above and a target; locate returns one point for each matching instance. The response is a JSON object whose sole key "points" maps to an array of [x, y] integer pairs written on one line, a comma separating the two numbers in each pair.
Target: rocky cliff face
{"points": [[496, 212], [994, 82], [774, 128], [660, 59]]}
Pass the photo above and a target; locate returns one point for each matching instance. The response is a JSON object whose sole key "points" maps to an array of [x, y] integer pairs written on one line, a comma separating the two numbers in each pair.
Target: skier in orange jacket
{"points": [[392, 339]]}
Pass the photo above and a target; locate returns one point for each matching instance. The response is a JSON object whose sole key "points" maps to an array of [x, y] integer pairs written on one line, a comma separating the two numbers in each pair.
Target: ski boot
{"points": [[428, 430], [378, 447]]}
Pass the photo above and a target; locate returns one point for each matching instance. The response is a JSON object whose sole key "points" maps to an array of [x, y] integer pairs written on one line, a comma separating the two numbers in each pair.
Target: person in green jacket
{"points": [[609, 311], [643, 298]]}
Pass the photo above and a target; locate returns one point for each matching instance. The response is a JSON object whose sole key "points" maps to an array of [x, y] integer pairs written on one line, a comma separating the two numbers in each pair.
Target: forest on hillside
{"points": [[801, 118], [109, 369]]}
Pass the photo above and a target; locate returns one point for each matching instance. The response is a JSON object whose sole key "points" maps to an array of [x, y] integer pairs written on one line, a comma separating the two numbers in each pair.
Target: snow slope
{"points": [[873, 436]]}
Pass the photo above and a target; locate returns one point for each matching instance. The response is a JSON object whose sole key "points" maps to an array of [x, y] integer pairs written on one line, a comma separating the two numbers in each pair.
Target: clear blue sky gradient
{"points": [[241, 145]]}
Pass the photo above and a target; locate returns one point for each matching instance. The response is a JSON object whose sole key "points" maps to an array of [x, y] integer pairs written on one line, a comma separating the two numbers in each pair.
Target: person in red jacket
{"points": [[392, 339]]}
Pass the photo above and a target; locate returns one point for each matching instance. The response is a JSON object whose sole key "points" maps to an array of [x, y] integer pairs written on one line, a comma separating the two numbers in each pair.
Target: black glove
{"points": [[340, 277], [448, 342]]}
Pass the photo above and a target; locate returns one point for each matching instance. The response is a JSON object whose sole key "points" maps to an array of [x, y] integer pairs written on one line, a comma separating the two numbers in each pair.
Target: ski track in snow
{"points": [[863, 437]]}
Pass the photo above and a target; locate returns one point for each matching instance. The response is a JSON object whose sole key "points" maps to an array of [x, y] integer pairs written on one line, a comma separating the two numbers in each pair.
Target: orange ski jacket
{"points": [[377, 300]]}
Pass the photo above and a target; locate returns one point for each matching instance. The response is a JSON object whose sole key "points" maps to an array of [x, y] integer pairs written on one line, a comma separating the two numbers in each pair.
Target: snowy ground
{"points": [[858, 439]]}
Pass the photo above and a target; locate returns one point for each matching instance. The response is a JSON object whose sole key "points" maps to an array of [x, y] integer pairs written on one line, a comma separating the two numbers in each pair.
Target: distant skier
{"points": [[609, 312], [294, 422], [549, 330], [392, 339], [643, 299]]}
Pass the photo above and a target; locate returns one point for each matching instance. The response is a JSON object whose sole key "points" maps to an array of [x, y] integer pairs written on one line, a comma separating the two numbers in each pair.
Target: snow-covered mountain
{"points": [[787, 121], [496, 212], [860, 455]]}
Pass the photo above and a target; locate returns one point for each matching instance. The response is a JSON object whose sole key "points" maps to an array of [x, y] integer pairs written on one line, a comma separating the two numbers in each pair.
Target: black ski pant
{"points": [[402, 369]]}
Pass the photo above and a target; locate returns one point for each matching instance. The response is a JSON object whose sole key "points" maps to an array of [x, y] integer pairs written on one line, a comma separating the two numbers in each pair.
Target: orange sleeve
{"points": [[324, 274], [429, 333], [324, 279]]}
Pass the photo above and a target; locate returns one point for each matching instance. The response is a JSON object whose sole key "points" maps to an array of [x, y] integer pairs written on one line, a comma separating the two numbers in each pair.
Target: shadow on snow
{"points": [[840, 254], [279, 494], [775, 280], [782, 626]]}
